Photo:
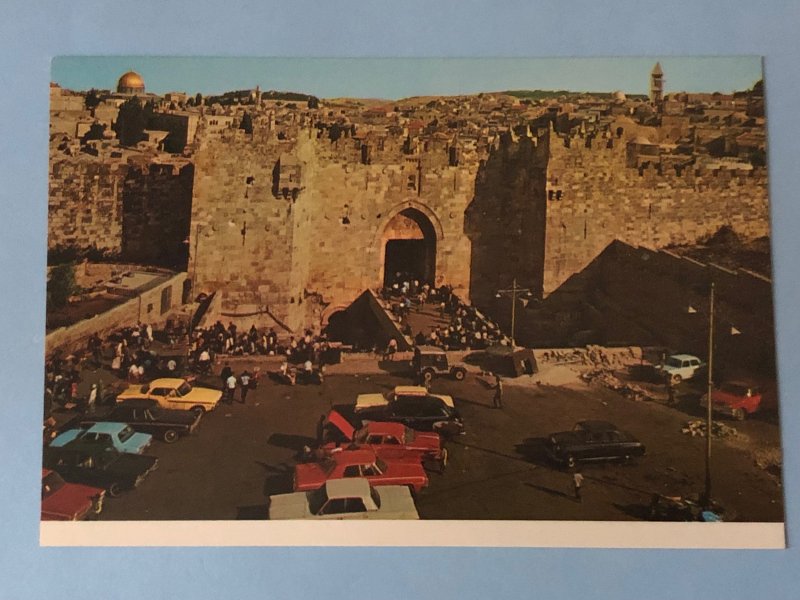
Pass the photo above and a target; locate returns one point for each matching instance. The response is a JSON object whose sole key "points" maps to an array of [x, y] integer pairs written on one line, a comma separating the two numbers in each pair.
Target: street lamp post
{"points": [[710, 404], [513, 291]]}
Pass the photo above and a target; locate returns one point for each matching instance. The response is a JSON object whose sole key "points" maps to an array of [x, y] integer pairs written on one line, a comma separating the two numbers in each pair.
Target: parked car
{"points": [[389, 441], [735, 398], [103, 467], [62, 501], [427, 412], [680, 367], [592, 441], [360, 463], [175, 394], [120, 436], [148, 417], [430, 361], [345, 499], [365, 401]]}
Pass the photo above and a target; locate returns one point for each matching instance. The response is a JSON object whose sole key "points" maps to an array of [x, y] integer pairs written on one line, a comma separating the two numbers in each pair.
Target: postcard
{"points": [[489, 302]]}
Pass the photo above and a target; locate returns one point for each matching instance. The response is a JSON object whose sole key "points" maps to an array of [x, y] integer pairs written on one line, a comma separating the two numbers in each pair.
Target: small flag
{"points": [[735, 331], [692, 310]]}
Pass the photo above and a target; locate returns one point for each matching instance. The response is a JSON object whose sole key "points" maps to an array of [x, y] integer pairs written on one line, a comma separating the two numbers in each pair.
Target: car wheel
{"points": [[459, 374], [676, 379], [427, 375], [170, 436], [115, 489], [571, 462], [198, 410], [738, 414]]}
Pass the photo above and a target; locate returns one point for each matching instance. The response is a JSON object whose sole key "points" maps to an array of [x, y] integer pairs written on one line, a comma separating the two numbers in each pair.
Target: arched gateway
{"points": [[407, 244]]}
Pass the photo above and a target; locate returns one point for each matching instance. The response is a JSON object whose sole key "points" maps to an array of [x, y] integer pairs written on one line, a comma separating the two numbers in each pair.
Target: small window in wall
{"points": [[412, 182], [149, 308], [166, 299]]}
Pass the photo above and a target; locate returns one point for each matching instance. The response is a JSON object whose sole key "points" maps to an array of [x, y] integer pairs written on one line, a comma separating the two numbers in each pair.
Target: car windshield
{"points": [[380, 464], [409, 436], [375, 496], [674, 362], [735, 389], [184, 389], [126, 434], [316, 500], [51, 484]]}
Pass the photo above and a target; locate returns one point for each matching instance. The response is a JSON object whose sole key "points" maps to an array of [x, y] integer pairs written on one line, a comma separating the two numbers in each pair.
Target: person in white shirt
{"points": [[230, 387]]}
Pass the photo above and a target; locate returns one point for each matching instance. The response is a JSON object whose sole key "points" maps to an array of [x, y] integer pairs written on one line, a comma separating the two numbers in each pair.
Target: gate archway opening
{"points": [[408, 247]]}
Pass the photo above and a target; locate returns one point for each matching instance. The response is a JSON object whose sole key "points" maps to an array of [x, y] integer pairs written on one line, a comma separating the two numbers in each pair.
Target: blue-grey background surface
{"points": [[32, 32]]}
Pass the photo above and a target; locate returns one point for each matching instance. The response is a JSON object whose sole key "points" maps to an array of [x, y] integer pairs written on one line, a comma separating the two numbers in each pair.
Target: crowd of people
{"points": [[125, 351], [217, 339], [467, 329]]}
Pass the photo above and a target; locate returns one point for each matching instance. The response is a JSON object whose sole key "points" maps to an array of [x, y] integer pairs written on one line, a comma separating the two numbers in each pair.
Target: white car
{"points": [[365, 401], [351, 498], [680, 367]]}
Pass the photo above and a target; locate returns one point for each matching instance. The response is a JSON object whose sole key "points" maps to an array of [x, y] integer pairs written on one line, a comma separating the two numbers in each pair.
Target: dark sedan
{"points": [[592, 441], [422, 413], [146, 416], [102, 467]]}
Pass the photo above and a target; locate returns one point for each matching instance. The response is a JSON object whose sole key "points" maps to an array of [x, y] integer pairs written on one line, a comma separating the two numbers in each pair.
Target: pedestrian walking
{"points": [[225, 373], [391, 349], [230, 387], [90, 404], [497, 401], [244, 381], [577, 482]]}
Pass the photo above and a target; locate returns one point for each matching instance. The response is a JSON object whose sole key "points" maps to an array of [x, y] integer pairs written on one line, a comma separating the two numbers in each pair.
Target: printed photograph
{"points": [[436, 289]]}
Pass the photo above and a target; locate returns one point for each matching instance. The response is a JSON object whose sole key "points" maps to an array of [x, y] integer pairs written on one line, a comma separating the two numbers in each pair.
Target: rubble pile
{"points": [[593, 356], [718, 430], [606, 378], [769, 459]]}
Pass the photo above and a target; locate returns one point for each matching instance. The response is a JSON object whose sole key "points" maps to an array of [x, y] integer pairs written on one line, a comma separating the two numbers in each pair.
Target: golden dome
{"points": [[130, 81]]}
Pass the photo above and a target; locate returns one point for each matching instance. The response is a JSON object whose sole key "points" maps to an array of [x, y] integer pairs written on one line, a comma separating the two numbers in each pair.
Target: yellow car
{"points": [[174, 394]]}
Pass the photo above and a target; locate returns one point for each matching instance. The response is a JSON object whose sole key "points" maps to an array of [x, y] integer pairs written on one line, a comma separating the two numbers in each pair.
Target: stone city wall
{"points": [[596, 199], [156, 213], [85, 204]]}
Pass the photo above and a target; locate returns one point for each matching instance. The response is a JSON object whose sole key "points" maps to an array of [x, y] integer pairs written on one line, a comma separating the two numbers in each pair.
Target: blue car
{"points": [[120, 436]]}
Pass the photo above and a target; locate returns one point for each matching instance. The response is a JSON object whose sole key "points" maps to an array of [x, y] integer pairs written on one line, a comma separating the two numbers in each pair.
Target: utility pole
{"points": [[513, 291], [709, 413]]}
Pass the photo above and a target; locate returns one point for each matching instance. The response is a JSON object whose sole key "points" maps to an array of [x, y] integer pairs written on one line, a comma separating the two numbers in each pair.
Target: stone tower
{"points": [[657, 85]]}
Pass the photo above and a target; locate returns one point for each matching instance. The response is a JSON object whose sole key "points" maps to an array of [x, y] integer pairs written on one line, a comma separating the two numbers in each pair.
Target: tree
{"points": [[247, 124], [313, 102], [198, 99], [131, 122], [91, 99], [61, 285], [96, 132]]}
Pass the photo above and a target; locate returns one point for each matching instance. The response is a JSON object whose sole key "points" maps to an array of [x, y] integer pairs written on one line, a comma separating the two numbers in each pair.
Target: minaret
{"points": [[657, 86]]}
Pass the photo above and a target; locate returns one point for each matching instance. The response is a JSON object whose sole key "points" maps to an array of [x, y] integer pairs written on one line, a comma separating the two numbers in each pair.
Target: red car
{"points": [[390, 441], [364, 463], [736, 398], [62, 501]]}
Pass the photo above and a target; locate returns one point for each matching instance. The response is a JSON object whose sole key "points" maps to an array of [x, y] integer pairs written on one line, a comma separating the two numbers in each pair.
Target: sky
{"points": [[399, 78]]}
